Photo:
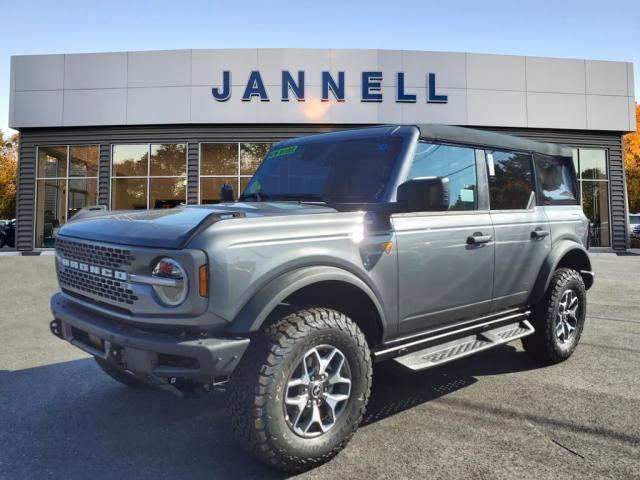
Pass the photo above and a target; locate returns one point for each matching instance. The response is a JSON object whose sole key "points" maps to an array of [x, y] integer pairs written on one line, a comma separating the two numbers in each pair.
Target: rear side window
{"points": [[510, 179], [458, 164], [556, 180]]}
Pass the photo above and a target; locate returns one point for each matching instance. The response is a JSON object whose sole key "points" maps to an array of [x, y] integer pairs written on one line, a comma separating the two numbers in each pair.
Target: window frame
{"points": [[580, 181], [66, 179], [148, 176], [238, 176]]}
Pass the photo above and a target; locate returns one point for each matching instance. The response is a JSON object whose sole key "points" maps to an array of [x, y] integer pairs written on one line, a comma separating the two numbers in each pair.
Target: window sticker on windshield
{"points": [[466, 195], [279, 152]]}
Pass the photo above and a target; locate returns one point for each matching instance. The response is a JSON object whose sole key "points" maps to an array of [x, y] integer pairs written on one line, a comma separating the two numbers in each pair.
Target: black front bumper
{"points": [[152, 356]]}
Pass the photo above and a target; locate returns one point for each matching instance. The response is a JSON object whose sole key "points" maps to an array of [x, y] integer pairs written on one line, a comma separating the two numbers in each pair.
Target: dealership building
{"points": [[137, 130]]}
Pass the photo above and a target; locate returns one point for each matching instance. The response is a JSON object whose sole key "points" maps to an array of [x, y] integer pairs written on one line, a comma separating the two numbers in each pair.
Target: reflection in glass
{"points": [[130, 160], [128, 193], [458, 164], [593, 164], [167, 192], [210, 188], [511, 187], [168, 159], [555, 179], [82, 193], [50, 211], [595, 202], [52, 162], [84, 161], [251, 155], [219, 159], [244, 181], [574, 158]]}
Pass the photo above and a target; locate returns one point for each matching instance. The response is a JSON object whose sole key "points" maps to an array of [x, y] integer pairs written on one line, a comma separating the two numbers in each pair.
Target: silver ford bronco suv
{"points": [[417, 244]]}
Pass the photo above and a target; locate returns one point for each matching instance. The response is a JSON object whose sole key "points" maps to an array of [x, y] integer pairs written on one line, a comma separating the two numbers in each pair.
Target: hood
{"points": [[173, 228]]}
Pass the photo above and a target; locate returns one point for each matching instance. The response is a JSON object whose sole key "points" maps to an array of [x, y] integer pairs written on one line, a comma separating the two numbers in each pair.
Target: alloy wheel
{"points": [[317, 391], [567, 316]]}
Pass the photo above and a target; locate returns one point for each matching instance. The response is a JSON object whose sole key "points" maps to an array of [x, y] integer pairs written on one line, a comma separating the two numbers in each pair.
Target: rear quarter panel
{"points": [[567, 222]]}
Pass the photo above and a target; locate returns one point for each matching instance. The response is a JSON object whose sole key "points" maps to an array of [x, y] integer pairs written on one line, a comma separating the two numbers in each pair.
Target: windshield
{"points": [[351, 170], [634, 219]]}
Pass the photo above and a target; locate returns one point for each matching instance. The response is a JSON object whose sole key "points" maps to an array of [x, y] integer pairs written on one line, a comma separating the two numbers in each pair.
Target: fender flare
{"points": [[557, 253], [257, 309]]}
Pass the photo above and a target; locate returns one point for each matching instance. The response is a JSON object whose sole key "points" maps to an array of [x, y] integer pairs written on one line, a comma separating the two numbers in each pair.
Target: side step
{"points": [[462, 347]]}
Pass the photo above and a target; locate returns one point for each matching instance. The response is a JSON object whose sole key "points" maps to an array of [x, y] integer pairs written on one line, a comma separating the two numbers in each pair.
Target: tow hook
{"points": [[115, 356], [56, 328]]}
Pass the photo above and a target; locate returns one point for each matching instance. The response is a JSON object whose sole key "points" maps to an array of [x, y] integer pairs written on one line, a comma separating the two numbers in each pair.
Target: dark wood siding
{"points": [[193, 134]]}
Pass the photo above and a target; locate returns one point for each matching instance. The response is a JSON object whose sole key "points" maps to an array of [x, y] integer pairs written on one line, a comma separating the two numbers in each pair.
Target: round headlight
{"points": [[173, 284]]}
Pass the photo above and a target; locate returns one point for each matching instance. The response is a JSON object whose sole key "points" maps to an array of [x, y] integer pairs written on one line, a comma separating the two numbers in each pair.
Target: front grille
{"points": [[102, 287], [81, 267], [95, 254]]}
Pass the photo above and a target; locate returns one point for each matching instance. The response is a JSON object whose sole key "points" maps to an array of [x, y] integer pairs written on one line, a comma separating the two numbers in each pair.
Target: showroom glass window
{"points": [[458, 164], [148, 175], [593, 175], [66, 181], [510, 179], [228, 163]]}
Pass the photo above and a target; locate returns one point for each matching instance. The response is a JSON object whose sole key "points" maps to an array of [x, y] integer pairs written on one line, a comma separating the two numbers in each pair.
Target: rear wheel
{"points": [[301, 389], [120, 375], [559, 318]]}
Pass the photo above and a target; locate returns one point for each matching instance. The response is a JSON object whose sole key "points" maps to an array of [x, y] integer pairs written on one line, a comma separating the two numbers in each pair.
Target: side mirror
{"points": [[424, 194]]}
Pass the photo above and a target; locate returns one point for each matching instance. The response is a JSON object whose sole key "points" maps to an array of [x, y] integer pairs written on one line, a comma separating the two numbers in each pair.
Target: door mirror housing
{"points": [[424, 194]]}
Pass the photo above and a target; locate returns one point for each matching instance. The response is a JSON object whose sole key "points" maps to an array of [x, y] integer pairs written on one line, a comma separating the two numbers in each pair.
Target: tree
{"points": [[632, 165], [8, 175]]}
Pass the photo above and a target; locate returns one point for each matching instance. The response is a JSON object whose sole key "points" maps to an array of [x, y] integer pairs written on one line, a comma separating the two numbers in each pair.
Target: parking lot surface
{"points": [[494, 415]]}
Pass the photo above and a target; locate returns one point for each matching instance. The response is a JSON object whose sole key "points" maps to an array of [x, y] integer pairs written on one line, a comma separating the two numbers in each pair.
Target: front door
{"points": [[445, 259]]}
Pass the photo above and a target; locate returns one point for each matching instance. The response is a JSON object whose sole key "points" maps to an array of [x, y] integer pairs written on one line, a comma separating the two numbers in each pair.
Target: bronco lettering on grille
{"points": [[94, 269]]}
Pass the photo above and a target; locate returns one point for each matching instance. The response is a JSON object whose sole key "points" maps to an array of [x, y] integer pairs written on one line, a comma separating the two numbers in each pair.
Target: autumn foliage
{"points": [[8, 175], [632, 165]]}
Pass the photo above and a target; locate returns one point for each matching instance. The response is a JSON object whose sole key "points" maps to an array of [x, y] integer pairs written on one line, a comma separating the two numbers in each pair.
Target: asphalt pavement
{"points": [[494, 415]]}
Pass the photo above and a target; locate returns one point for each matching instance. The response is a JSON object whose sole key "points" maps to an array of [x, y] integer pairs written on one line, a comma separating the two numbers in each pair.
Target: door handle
{"points": [[478, 238], [538, 234]]}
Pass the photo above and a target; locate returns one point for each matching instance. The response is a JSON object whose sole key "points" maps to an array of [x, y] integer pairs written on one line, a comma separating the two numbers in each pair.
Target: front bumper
{"points": [[155, 357]]}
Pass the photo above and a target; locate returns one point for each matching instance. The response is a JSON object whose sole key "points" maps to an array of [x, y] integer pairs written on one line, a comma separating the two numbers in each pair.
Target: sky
{"points": [[559, 28]]}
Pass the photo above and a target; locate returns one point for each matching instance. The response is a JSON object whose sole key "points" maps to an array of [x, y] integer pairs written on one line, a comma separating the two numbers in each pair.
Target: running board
{"points": [[462, 347]]}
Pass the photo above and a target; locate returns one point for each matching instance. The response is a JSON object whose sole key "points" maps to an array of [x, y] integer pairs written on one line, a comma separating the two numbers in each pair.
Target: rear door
{"points": [[521, 228], [442, 277]]}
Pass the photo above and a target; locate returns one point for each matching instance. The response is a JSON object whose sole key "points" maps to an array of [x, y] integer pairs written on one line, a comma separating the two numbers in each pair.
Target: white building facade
{"points": [[151, 129]]}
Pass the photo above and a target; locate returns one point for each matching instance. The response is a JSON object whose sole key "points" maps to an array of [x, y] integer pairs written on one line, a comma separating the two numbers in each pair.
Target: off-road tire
{"points": [[120, 375], [544, 344], [256, 388]]}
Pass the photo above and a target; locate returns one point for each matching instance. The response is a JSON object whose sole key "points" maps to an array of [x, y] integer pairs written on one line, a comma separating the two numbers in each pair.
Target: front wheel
{"points": [[301, 389], [559, 318]]}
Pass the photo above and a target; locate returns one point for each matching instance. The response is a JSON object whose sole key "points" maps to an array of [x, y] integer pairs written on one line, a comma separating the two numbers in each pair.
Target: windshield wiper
{"points": [[303, 197], [258, 197]]}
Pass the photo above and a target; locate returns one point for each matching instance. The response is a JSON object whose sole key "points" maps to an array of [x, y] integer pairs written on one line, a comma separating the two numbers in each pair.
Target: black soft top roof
{"points": [[472, 136]]}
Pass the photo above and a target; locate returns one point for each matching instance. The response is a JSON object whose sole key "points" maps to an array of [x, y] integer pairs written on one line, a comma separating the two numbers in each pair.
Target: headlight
{"points": [[173, 284]]}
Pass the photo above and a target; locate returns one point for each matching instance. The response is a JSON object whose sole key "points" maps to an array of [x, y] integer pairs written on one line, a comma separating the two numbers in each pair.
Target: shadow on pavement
{"points": [[68, 420]]}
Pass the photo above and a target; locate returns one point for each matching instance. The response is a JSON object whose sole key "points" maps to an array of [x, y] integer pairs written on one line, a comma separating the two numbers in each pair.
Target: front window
{"points": [[351, 170], [66, 182], [228, 164], [148, 175], [458, 164]]}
